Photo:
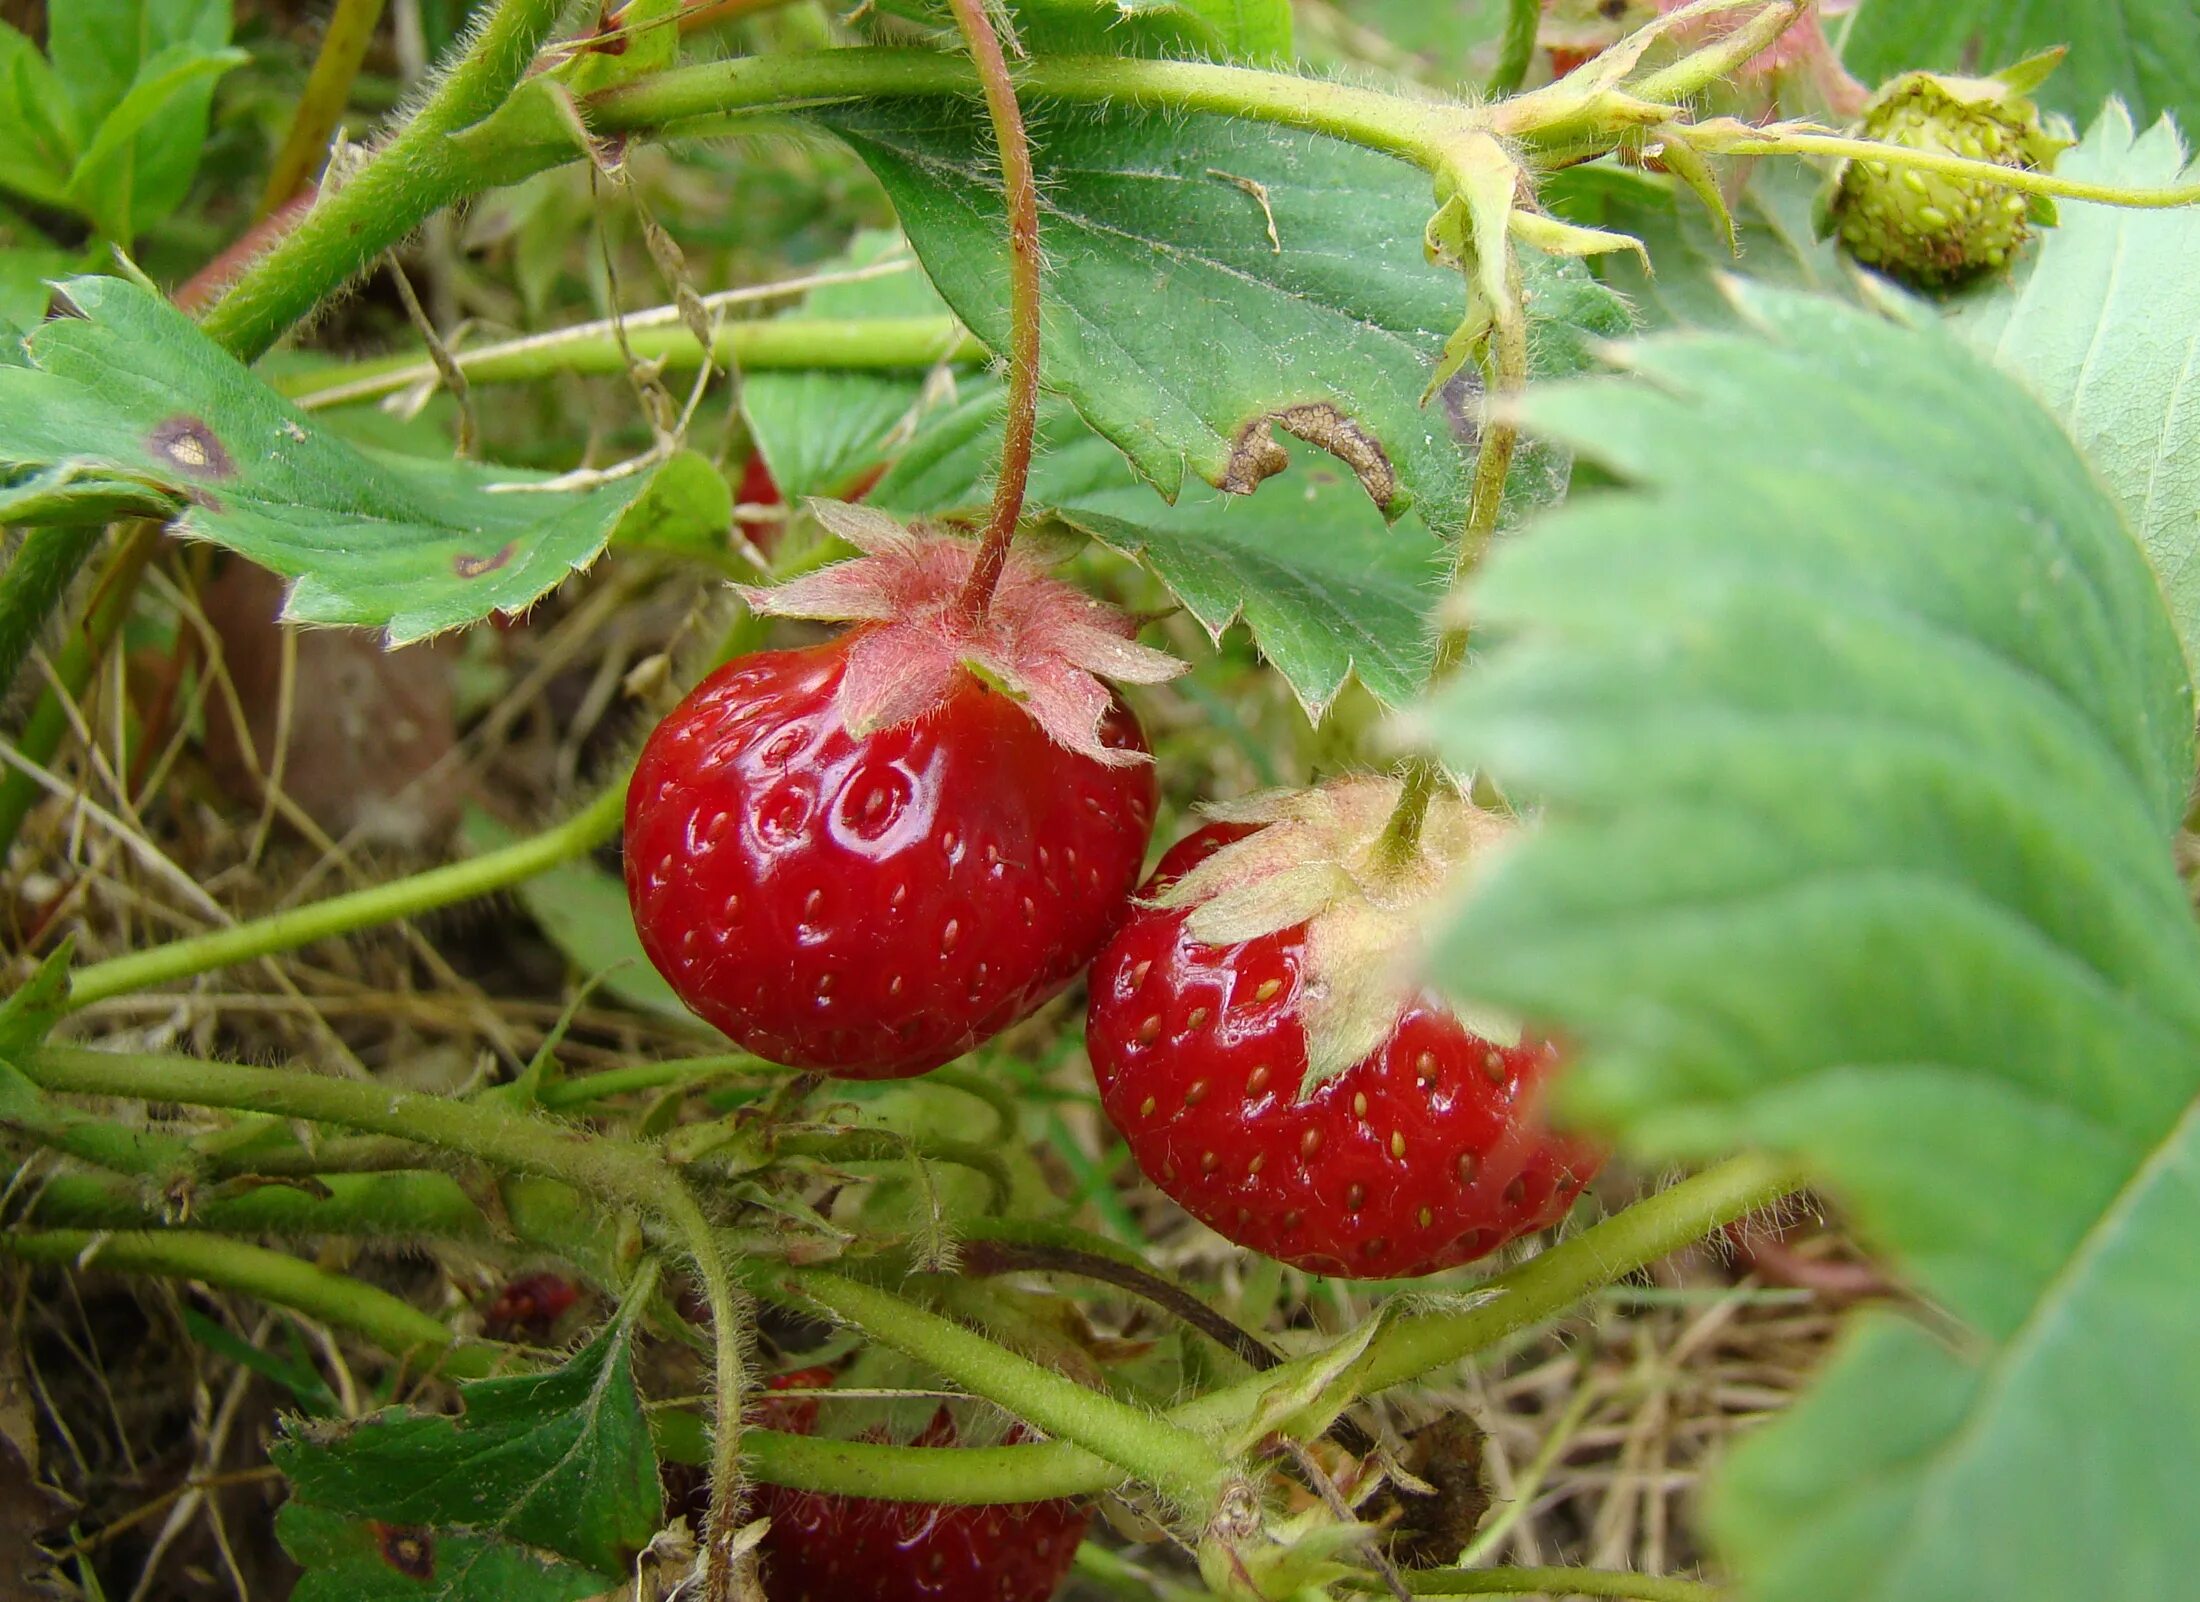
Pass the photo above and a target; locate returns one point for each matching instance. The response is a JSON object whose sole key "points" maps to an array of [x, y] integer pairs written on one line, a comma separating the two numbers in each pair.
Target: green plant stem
{"points": [[410, 178], [1174, 1461], [874, 343], [1007, 1116], [686, 101], [1023, 1247], [1401, 837], [359, 909], [321, 102], [1728, 137], [1545, 1286], [594, 1164], [33, 584], [729, 1344], [886, 1146], [417, 1205], [73, 665], [1020, 199], [274, 1277], [691, 1073], [1549, 1582], [1522, 18]]}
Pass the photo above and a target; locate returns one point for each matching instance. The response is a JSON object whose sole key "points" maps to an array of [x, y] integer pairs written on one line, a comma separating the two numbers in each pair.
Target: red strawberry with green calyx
{"points": [[823, 1548], [871, 855], [1259, 1043]]}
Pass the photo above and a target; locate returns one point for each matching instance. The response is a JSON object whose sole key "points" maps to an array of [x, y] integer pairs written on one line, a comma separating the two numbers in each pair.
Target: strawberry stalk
{"points": [[1020, 193]]}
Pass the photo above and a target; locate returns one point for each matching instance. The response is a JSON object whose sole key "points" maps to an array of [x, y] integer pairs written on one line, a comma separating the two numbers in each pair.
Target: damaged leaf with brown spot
{"points": [[124, 406], [1194, 320]]}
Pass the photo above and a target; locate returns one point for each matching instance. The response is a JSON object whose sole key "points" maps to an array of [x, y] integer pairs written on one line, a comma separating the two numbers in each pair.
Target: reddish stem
{"points": [[1021, 193]]}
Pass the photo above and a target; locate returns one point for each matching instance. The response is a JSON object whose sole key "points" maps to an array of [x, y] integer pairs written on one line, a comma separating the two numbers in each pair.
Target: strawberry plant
{"points": [[1344, 801]]}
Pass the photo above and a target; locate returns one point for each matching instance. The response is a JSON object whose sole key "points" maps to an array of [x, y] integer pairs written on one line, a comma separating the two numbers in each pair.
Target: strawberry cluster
{"points": [[871, 855]]}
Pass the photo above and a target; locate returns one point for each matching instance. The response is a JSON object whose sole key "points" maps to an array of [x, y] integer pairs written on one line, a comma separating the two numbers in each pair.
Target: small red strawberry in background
{"points": [[852, 1549], [1254, 1042], [870, 855], [528, 1308], [760, 490]]}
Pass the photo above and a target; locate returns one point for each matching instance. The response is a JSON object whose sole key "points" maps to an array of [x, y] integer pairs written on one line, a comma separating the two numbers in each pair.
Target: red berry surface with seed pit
{"points": [[874, 905], [852, 1549], [1426, 1154]]}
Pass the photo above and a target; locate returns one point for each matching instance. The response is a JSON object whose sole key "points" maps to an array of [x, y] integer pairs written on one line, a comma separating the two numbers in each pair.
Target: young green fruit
{"points": [[1931, 228]]}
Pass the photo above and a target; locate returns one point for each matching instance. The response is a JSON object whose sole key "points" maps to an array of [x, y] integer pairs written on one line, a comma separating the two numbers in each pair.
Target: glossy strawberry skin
{"points": [[874, 905], [852, 1549], [1424, 1155]]}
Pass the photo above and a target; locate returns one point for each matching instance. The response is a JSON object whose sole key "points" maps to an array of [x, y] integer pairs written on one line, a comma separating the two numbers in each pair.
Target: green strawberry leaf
{"points": [[130, 174], [1307, 561], [130, 392], [1326, 588], [38, 140], [1860, 737], [1210, 284], [141, 76], [2101, 321], [1252, 30], [2144, 52], [100, 47], [544, 1489], [820, 430]]}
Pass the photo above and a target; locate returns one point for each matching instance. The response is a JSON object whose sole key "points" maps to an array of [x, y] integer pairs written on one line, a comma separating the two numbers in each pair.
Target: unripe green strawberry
{"points": [[1931, 228]]}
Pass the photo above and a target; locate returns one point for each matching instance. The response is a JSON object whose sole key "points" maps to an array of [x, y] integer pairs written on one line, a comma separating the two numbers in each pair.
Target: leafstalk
{"points": [[1174, 1461], [357, 909], [406, 181], [1553, 1582], [1020, 198], [275, 1277]]}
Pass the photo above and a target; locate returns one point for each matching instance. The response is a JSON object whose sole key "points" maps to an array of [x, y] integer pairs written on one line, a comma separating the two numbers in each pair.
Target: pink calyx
{"points": [[1044, 641]]}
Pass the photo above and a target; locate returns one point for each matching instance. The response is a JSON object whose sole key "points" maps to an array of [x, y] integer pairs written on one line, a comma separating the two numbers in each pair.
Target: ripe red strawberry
{"points": [[529, 1307], [867, 856], [852, 1549], [1422, 1153]]}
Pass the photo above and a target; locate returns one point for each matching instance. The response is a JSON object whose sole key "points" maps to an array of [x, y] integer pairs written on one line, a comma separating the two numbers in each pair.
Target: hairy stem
{"points": [[616, 1169], [1553, 1582], [1020, 196], [1731, 138], [275, 1277], [1507, 378], [1522, 18], [887, 1146], [677, 101], [1172, 1460], [1401, 837], [409, 179], [729, 1490], [1033, 1248], [690, 1073], [359, 909]]}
